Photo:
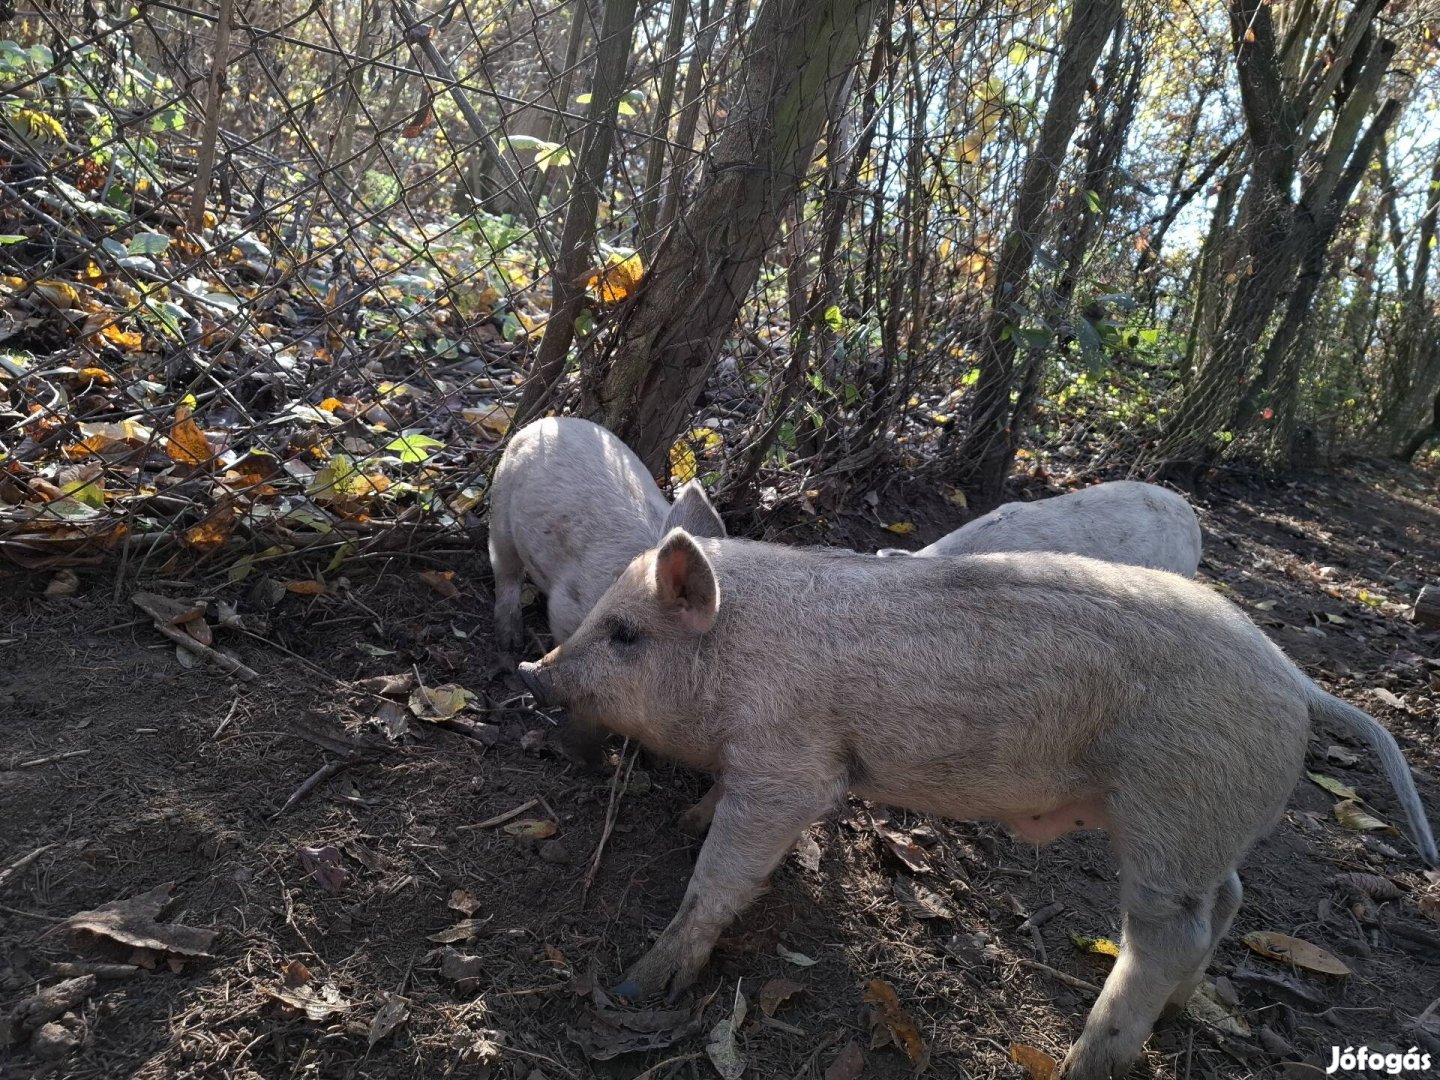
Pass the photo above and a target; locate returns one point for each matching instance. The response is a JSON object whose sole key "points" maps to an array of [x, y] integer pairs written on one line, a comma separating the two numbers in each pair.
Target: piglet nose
{"points": [[534, 680]]}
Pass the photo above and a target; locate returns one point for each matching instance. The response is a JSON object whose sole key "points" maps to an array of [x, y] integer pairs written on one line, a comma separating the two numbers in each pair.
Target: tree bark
{"points": [[612, 57], [984, 456], [666, 338]]}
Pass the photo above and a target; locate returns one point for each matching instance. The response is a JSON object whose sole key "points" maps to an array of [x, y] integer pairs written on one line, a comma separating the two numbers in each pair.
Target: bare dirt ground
{"points": [[131, 771]]}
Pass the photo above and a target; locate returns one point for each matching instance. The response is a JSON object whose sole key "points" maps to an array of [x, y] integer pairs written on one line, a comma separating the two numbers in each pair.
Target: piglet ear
{"points": [[685, 582], [693, 512]]}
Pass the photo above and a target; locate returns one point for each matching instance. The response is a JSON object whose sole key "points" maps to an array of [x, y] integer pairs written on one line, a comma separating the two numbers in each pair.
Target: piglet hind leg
{"points": [[755, 824], [509, 627], [1169, 931]]}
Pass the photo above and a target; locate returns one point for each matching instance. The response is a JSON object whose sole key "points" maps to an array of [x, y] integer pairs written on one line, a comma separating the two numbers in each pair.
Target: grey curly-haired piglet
{"points": [[1047, 692]]}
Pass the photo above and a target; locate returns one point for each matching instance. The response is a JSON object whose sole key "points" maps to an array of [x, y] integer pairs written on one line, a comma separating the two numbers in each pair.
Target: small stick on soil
{"points": [[654, 1070], [53, 757], [1042, 916], [318, 777], [611, 813], [22, 862], [500, 819], [188, 643], [1059, 976], [228, 717]]}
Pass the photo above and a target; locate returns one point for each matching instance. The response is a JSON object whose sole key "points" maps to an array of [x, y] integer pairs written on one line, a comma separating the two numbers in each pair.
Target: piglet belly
{"points": [[1044, 827]]}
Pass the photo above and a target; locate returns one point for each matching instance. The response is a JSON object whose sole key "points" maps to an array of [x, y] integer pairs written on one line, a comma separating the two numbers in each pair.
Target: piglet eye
{"points": [[622, 633]]}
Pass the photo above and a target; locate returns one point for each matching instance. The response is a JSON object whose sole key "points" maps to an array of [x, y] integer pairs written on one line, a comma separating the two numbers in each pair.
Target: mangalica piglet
{"points": [[1122, 521], [571, 505], [1048, 692]]}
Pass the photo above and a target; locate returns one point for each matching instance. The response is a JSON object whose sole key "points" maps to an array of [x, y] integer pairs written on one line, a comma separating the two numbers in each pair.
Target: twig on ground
{"points": [[53, 757], [146, 603], [1059, 976], [654, 1070], [228, 717], [21, 863], [500, 819], [318, 777], [611, 812]]}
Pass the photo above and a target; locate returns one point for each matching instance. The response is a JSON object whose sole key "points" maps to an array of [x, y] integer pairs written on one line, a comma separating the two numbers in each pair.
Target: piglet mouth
{"points": [[538, 683]]}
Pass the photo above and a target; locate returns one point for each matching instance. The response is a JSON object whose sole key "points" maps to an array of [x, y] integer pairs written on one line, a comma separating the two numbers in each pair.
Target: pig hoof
{"points": [[693, 824], [628, 989]]}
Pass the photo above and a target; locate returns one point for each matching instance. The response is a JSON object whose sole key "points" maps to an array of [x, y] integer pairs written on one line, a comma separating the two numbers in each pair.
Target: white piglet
{"points": [[1122, 521], [571, 505]]}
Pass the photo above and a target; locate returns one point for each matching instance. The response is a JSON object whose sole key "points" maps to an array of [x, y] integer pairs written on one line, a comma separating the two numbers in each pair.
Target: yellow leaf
{"points": [[1099, 946], [60, 294], [1292, 950], [305, 587], [125, 339], [1351, 814], [187, 443], [900, 528], [955, 495], [330, 404], [1040, 1065], [616, 280], [41, 125], [685, 454], [1333, 786], [439, 702]]}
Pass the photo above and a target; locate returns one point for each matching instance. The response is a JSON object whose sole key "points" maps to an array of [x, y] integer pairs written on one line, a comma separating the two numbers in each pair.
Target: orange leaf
{"points": [[305, 587], [1039, 1064], [126, 339], [896, 1022], [442, 581], [616, 280], [187, 443], [213, 531], [330, 404]]}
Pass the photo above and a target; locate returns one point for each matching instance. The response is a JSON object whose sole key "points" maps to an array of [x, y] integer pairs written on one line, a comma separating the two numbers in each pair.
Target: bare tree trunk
{"points": [[666, 339], [985, 455], [612, 58]]}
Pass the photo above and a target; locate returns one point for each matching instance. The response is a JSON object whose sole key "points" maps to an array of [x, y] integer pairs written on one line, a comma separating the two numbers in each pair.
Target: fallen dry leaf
{"points": [[900, 528], [64, 583], [799, 959], [1290, 950], [1352, 814], [1371, 885], [439, 702], [1208, 1007], [213, 530], [776, 992], [1040, 1065], [461, 968], [1333, 786], [807, 852], [721, 1047], [132, 922], [848, 1064], [890, 1023], [1098, 946], [903, 848], [464, 901], [442, 581], [294, 973], [305, 587], [186, 443], [604, 1033], [393, 1012], [316, 1004], [921, 901], [391, 685], [323, 864], [466, 930], [531, 828]]}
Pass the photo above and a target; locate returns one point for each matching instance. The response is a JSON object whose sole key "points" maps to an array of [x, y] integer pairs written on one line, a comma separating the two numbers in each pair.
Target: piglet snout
{"points": [[536, 681]]}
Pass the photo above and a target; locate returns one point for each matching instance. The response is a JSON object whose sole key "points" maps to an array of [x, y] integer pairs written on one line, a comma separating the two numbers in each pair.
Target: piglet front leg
{"points": [[757, 820]]}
